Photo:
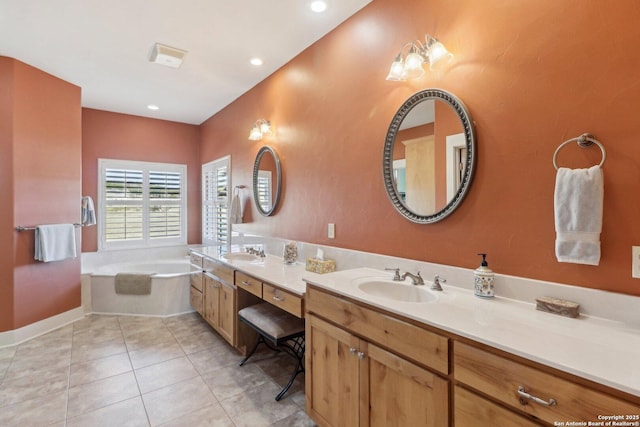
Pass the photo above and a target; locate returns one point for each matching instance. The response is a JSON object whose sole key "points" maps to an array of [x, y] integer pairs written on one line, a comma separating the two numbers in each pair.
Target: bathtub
{"points": [[169, 288]]}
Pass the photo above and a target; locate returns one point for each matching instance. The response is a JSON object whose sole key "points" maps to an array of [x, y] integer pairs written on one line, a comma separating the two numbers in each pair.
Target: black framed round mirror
{"points": [[429, 156], [267, 181]]}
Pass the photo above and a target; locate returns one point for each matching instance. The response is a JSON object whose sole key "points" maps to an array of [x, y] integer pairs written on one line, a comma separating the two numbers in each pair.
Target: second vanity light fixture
{"points": [[411, 65], [260, 128]]}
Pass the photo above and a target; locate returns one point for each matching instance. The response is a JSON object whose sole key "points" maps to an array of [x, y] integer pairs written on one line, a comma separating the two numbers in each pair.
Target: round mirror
{"points": [[429, 156], [267, 178]]}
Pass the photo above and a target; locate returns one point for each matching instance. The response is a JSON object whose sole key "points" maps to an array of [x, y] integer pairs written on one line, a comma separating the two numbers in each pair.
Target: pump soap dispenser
{"points": [[483, 279]]}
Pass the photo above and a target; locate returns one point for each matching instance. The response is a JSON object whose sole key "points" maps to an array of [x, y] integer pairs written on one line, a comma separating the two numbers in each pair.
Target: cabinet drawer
{"points": [[283, 299], [218, 269], [424, 347], [249, 284], [196, 280], [195, 296], [195, 259], [472, 410], [501, 377]]}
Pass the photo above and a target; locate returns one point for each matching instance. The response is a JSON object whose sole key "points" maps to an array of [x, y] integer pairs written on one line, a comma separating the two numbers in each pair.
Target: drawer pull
{"points": [[244, 282], [524, 395], [277, 298]]}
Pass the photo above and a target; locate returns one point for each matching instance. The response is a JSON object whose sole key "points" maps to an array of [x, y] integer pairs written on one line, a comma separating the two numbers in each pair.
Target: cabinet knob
{"points": [[524, 396], [352, 350], [360, 355]]}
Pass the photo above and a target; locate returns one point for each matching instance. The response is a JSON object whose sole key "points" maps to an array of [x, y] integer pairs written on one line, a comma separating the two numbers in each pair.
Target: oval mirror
{"points": [[429, 156], [267, 177]]}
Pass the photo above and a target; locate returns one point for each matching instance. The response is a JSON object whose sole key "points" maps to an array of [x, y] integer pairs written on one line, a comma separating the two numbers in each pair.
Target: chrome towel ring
{"points": [[584, 140]]}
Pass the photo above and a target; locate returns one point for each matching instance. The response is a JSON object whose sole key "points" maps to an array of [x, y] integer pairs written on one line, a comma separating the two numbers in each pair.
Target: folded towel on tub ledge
{"points": [[133, 283]]}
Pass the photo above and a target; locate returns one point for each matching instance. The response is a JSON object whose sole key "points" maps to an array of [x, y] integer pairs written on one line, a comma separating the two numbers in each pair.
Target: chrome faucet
{"points": [[415, 278], [436, 283], [396, 274]]}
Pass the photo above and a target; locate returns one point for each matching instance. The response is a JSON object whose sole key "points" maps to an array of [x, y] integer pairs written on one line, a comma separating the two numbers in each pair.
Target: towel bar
{"points": [[584, 140], [33, 227]]}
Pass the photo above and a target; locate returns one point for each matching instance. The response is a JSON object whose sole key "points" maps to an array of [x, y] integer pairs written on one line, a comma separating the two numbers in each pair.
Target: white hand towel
{"points": [[55, 242], [579, 195], [235, 216], [88, 211]]}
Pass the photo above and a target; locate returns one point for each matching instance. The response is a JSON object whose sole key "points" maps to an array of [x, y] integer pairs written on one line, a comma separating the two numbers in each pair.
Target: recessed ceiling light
{"points": [[256, 61], [153, 107], [318, 6]]}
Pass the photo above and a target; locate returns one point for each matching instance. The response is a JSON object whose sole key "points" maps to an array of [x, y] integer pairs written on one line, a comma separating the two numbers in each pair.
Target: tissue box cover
{"points": [[320, 266]]}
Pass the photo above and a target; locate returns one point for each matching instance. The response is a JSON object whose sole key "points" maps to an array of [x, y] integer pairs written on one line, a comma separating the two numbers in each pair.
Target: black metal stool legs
{"points": [[297, 351]]}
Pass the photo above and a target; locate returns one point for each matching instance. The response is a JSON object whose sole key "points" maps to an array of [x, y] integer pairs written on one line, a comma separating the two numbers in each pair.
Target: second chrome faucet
{"points": [[416, 279]]}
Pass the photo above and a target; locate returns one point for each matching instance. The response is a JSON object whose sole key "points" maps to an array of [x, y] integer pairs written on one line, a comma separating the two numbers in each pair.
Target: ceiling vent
{"points": [[167, 55]]}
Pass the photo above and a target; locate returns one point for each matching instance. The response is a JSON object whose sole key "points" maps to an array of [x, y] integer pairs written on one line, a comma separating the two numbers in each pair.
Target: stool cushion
{"points": [[273, 321]]}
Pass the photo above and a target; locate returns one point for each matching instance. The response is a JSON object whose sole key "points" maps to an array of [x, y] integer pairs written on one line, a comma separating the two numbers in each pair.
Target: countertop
{"points": [[597, 349]]}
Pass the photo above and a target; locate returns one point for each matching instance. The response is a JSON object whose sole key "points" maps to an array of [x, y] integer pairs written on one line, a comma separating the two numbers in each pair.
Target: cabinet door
{"points": [[211, 301], [332, 389], [227, 318], [402, 393]]}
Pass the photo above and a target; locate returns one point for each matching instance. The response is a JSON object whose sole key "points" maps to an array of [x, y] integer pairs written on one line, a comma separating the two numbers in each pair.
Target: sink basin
{"points": [[397, 291], [240, 256]]}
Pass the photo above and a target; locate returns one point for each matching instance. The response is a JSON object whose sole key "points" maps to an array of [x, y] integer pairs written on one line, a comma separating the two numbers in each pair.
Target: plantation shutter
{"points": [[165, 196], [215, 201], [123, 204]]}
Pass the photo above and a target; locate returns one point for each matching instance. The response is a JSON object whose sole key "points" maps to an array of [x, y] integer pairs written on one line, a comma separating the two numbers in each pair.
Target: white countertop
{"points": [[604, 351], [601, 350], [271, 269]]}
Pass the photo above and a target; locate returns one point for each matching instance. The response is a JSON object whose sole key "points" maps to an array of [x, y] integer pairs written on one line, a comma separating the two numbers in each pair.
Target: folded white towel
{"points": [[235, 216], [55, 242], [579, 194], [88, 212]]}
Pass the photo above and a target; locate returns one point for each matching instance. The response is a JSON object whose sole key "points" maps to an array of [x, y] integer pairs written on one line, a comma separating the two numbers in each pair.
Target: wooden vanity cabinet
{"points": [[500, 377], [356, 376], [220, 299], [196, 280]]}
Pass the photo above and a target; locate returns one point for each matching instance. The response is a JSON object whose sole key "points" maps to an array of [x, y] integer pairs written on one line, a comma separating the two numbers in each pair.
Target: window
{"points": [[216, 184], [142, 204]]}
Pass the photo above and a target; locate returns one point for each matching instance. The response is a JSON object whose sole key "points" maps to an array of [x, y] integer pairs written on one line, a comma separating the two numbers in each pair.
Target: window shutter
{"points": [[215, 201], [165, 211], [124, 204]]}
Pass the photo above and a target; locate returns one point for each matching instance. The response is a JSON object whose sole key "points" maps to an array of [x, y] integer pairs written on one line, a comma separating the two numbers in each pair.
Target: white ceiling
{"points": [[103, 46]]}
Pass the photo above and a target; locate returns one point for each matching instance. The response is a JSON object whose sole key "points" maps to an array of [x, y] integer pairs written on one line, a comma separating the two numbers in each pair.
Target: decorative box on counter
{"points": [[320, 266]]}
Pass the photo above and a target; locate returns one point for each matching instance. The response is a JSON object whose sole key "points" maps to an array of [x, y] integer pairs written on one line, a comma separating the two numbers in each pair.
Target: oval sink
{"points": [[396, 291], [240, 256]]}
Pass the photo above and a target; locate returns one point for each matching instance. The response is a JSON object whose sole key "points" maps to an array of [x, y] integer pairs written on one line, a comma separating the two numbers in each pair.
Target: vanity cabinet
{"points": [[219, 297], [501, 378], [365, 368], [196, 280]]}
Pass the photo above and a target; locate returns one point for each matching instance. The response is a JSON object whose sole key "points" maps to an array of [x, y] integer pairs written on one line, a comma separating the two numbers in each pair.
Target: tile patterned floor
{"points": [[144, 371]]}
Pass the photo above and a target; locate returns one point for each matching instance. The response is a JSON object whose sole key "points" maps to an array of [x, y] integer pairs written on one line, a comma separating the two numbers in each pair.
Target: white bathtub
{"points": [[169, 288]]}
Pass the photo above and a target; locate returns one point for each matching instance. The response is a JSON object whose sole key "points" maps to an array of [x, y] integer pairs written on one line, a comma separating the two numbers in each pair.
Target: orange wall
{"points": [[46, 173], [6, 195], [532, 76], [121, 136]]}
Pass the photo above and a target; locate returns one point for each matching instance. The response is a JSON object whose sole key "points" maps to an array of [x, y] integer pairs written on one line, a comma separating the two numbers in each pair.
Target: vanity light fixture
{"points": [[259, 129], [411, 65]]}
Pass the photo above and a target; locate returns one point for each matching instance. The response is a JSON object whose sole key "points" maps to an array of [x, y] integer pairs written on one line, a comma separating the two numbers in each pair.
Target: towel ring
{"points": [[584, 140]]}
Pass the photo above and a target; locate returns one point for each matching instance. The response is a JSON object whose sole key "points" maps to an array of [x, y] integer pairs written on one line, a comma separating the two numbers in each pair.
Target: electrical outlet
{"points": [[331, 231], [635, 261]]}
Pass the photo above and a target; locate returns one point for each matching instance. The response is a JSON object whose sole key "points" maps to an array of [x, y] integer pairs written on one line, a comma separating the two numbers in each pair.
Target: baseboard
{"points": [[41, 327]]}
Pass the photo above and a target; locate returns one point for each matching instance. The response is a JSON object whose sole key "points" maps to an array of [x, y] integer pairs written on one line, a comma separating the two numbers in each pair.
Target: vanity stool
{"points": [[278, 330]]}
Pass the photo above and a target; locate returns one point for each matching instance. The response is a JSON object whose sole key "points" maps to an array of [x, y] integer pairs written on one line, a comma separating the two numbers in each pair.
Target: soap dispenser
{"points": [[483, 279]]}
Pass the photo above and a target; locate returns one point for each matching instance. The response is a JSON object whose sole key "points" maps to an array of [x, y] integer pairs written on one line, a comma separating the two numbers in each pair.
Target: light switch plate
{"points": [[635, 261], [331, 231]]}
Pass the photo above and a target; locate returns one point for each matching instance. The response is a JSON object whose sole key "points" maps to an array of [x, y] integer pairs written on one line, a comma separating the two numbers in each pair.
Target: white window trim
{"points": [[146, 167], [222, 161]]}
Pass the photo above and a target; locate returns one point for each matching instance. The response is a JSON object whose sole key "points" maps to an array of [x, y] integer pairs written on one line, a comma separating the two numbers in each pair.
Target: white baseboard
{"points": [[33, 330]]}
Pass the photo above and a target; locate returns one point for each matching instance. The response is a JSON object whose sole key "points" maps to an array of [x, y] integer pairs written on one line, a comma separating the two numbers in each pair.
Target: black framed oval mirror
{"points": [[267, 181], [429, 156]]}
